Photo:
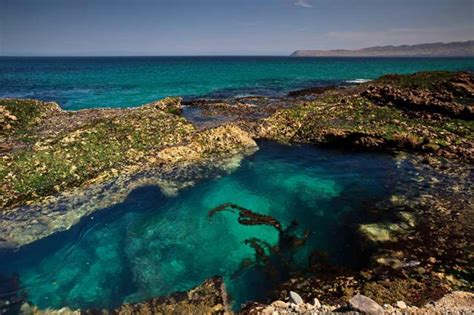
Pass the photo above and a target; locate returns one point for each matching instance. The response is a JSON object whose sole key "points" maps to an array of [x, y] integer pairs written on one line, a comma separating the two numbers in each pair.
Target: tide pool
{"points": [[153, 245]]}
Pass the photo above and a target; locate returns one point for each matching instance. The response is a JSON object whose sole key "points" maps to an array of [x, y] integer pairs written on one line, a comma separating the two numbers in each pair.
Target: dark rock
{"points": [[452, 98]]}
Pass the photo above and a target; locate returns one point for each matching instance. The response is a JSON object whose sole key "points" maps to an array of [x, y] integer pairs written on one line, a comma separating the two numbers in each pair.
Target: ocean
{"points": [[90, 82]]}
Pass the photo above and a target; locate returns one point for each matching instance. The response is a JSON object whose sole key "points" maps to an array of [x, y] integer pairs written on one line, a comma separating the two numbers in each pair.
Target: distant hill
{"points": [[454, 49]]}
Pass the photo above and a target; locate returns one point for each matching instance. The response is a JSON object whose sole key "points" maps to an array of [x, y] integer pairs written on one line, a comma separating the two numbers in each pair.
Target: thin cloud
{"points": [[303, 3]]}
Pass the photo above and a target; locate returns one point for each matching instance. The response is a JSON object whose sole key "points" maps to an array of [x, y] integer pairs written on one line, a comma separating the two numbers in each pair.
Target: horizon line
{"points": [[224, 54], [208, 56]]}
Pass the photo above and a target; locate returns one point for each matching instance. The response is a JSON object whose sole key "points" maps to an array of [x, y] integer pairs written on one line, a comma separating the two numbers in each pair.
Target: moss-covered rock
{"points": [[351, 118], [48, 152]]}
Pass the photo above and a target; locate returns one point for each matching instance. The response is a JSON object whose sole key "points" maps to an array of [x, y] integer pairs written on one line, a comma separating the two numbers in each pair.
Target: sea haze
{"points": [[88, 82]]}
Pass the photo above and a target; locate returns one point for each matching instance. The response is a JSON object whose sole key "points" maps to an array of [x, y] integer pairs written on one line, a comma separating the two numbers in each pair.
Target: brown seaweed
{"points": [[246, 216], [275, 261]]}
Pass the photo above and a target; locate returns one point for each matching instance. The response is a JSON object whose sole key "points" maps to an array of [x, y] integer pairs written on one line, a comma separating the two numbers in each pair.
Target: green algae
{"points": [[69, 159], [354, 120], [421, 80], [76, 149]]}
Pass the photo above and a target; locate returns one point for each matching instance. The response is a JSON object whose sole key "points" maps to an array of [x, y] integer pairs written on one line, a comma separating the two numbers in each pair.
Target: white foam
{"points": [[358, 81]]}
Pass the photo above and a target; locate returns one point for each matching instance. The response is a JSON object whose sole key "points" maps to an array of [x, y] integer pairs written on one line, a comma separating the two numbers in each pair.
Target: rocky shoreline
{"points": [[57, 167], [211, 298]]}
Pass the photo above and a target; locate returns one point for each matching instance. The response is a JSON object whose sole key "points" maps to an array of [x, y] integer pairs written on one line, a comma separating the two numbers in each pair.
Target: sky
{"points": [[224, 27]]}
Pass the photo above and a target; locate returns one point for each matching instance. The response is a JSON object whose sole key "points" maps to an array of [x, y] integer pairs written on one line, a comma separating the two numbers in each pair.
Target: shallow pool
{"points": [[153, 245]]}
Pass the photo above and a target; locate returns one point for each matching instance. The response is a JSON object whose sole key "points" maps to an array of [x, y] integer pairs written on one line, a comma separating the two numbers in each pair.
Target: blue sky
{"points": [[235, 27]]}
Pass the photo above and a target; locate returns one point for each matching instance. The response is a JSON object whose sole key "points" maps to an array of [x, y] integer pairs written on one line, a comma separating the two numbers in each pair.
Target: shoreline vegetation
{"points": [[58, 166]]}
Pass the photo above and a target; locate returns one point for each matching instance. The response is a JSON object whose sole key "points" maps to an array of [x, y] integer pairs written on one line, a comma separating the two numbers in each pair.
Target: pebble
{"points": [[365, 305], [316, 303], [295, 298], [280, 304], [401, 305]]}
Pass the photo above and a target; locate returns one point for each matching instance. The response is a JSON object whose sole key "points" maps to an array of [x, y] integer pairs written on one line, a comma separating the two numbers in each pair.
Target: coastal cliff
{"points": [[454, 49]]}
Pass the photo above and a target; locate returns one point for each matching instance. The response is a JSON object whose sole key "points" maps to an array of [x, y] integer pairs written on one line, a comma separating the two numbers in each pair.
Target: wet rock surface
{"points": [[206, 113]]}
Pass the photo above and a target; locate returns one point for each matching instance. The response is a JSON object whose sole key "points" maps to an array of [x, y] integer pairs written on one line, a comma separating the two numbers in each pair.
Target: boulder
{"points": [[365, 305]]}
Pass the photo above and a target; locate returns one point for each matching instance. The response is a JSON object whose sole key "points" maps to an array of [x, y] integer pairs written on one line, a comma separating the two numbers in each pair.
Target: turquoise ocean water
{"points": [[129, 81]]}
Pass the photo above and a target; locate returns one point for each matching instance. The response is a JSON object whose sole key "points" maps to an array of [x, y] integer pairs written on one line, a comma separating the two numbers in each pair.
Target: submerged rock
{"points": [[380, 232]]}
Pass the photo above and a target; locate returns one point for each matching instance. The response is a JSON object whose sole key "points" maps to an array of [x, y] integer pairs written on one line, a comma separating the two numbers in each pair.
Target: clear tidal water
{"points": [[77, 83], [152, 245]]}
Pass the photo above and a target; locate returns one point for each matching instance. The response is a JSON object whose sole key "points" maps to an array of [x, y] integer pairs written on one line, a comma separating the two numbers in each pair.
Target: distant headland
{"points": [[453, 49]]}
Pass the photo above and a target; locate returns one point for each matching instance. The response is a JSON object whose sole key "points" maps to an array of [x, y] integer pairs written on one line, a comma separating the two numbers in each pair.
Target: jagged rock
{"points": [[295, 298], [365, 305], [442, 98]]}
